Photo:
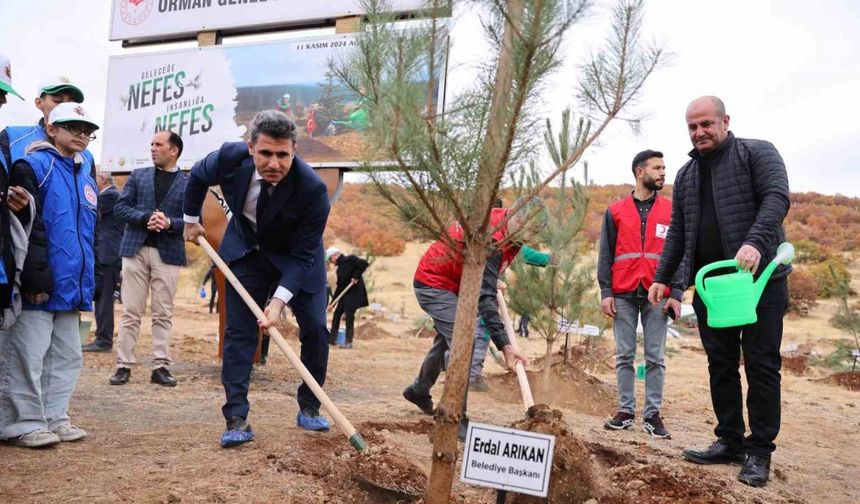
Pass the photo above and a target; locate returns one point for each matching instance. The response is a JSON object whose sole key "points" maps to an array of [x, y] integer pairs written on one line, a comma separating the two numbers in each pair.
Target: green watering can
{"points": [[732, 298]]}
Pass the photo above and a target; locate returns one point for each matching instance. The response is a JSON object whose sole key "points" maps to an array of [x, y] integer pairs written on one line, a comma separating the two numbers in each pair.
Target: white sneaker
{"points": [[39, 438], [68, 432]]}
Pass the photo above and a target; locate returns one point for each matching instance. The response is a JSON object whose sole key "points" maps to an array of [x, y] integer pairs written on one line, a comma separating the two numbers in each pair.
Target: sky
{"points": [[786, 70]]}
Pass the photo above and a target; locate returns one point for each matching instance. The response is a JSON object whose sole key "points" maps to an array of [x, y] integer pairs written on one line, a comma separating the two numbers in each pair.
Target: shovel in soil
{"points": [[522, 379], [343, 424], [379, 468]]}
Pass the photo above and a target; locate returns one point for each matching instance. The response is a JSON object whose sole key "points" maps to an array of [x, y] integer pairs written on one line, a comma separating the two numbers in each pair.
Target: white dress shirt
{"points": [[250, 213]]}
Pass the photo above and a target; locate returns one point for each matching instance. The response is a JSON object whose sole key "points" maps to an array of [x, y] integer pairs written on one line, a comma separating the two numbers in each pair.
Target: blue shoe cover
{"points": [[236, 437], [312, 423]]}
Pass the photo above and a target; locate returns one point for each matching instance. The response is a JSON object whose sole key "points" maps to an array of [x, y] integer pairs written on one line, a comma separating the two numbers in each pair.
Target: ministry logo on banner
{"points": [[135, 12]]}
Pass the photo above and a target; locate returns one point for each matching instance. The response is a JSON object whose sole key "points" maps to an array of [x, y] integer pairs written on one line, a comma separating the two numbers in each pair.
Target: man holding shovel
{"points": [[437, 284], [273, 244], [729, 202], [350, 292]]}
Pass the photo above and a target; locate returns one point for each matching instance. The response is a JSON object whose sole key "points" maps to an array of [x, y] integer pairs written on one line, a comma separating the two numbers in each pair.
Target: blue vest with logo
{"points": [[20, 137], [69, 213]]}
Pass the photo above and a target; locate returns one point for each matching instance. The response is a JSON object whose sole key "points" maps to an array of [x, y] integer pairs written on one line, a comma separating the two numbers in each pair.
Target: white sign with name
{"points": [[507, 459], [856, 353], [164, 19], [591, 330]]}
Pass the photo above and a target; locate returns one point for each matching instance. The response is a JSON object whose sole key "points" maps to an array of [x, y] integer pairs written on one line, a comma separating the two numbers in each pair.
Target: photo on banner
{"points": [[209, 96]]}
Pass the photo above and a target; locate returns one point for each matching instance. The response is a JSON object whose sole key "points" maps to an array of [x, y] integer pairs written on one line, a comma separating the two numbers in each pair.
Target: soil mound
{"points": [[376, 475], [572, 477], [849, 380], [796, 365], [387, 471], [568, 385], [370, 331]]}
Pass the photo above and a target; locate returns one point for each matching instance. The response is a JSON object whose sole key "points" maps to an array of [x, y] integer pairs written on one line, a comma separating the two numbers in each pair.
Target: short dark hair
{"points": [[498, 203], [274, 124], [175, 141], [640, 159]]}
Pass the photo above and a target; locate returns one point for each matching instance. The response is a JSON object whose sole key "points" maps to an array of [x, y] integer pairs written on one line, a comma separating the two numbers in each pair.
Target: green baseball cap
{"points": [[62, 83], [6, 76]]}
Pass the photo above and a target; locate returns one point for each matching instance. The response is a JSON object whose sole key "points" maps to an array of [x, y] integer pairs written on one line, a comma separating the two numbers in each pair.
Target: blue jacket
{"points": [[290, 232], [135, 206], [17, 139], [67, 202]]}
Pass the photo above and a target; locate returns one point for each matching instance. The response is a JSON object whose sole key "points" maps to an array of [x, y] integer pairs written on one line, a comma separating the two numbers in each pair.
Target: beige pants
{"points": [[140, 274]]}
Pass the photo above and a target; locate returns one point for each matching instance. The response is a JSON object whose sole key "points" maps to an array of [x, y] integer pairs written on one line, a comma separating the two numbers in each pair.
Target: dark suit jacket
{"points": [[290, 232], [108, 229], [350, 267], [138, 202]]}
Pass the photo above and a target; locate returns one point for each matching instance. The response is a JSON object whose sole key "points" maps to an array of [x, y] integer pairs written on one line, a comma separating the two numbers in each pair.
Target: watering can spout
{"points": [[784, 255]]}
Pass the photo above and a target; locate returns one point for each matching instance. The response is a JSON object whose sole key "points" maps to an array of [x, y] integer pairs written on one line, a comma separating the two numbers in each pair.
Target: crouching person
{"points": [[43, 351]]}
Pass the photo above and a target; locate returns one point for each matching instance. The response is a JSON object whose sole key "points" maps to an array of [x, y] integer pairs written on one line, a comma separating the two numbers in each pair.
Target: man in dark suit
{"points": [[152, 252], [273, 245], [108, 236], [350, 269]]}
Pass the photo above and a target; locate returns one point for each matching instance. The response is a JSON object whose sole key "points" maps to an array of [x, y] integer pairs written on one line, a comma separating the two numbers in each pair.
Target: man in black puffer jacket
{"points": [[729, 201]]}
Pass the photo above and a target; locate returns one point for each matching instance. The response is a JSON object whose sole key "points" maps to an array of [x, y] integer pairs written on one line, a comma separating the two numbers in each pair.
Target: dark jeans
{"points": [[335, 324], [523, 329], [260, 279], [760, 344], [104, 306]]}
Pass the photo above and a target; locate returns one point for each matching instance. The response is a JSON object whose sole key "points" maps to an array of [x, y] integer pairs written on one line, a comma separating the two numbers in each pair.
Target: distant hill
{"points": [[363, 218]]}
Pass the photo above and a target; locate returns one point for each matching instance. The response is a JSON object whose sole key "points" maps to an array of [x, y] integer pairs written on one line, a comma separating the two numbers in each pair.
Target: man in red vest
{"points": [[437, 285], [634, 230]]}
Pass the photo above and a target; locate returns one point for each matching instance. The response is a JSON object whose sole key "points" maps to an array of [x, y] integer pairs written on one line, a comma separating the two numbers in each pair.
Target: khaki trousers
{"points": [[141, 274]]}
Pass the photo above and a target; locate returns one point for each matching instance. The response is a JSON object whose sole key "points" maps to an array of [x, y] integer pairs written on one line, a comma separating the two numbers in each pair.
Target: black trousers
{"points": [[335, 324], [760, 344], [104, 306], [260, 278]]}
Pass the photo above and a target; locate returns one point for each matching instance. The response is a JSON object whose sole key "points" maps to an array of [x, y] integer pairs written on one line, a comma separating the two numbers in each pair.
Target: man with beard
{"points": [[152, 251], [634, 230]]}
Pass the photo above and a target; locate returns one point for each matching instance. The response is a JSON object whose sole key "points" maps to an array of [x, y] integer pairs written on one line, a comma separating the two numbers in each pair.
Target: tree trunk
{"points": [[547, 371], [456, 380], [493, 155]]}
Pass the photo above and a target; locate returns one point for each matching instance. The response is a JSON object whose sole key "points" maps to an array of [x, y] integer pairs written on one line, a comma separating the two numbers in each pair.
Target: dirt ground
{"points": [[149, 444]]}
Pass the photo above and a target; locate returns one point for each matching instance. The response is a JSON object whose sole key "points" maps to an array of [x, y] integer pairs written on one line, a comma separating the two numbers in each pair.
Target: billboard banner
{"points": [[141, 20], [209, 95]]}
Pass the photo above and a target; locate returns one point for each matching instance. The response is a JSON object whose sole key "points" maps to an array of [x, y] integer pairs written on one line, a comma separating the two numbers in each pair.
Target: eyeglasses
{"points": [[79, 131]]}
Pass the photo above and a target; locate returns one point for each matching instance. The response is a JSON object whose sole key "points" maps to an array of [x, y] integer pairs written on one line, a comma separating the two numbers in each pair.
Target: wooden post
{"points": [[208, 38], [348, 25]]}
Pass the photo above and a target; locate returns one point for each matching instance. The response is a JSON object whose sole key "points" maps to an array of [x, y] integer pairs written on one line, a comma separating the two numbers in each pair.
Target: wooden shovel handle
{"points": [[335, 301], [343, 424], [522, 378]]}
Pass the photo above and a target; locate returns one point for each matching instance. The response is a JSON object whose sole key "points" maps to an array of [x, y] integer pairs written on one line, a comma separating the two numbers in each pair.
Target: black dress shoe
{"points": [[162, 377], [756, 471], [718, 453], [95, 346], [121, 376]]}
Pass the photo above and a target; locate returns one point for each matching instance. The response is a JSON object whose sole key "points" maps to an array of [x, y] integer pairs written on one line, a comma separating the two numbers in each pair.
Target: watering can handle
{"points": [[700, 285]]}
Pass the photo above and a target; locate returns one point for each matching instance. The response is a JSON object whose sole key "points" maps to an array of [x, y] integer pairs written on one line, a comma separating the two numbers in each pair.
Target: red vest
{"points": [[634, 265], [441, 267]]}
